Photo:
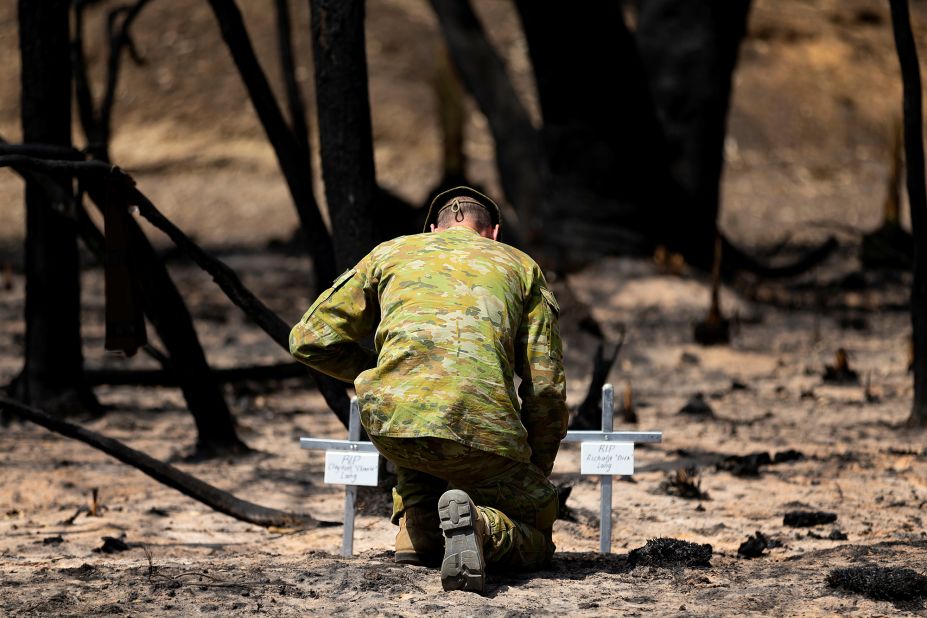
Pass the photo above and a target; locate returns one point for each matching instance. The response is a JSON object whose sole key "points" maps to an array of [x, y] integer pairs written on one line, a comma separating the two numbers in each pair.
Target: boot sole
{"points": [[463, 567]]}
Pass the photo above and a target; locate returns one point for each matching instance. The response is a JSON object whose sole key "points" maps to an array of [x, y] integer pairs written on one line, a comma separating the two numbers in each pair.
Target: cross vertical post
{"points": [[605, 508], [350, 491]]}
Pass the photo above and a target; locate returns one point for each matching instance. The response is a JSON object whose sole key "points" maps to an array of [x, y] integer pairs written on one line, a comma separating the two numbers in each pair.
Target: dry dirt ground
{"points": [[815, 100], [766, 391]]}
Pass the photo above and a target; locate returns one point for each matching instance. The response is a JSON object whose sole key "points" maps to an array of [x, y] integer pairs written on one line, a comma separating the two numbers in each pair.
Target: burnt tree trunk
{"points": [[289, 147], [519, 154], [689, 50], [139, 276], [588, 225], [917, 198], [52, 376], [345, 134], [611, 144]]}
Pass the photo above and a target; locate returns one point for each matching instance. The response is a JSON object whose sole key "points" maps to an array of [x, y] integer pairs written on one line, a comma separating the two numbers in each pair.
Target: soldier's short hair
{"points": [[458, 209]]}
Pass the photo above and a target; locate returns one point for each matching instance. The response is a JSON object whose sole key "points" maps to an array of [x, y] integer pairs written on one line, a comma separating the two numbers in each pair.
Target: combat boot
{"points": [[465, 531], [419, 540]]}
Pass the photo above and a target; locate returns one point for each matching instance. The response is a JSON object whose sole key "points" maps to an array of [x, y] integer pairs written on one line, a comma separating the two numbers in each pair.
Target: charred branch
{"points": [[292, 157], [294, 96], [519, 155], [736, 259], [224, 276], [166, 474]]}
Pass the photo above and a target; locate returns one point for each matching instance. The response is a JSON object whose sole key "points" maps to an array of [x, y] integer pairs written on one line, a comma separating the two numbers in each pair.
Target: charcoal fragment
{"points": [[806, 519]]}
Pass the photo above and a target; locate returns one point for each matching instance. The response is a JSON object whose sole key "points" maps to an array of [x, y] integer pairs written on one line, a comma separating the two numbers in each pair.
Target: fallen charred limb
{"points": [[158, 377], [213, 497]]}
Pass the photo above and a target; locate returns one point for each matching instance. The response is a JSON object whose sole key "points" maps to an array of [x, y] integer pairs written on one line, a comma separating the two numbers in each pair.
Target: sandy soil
{"points": [[186, 559], [814, 103]]}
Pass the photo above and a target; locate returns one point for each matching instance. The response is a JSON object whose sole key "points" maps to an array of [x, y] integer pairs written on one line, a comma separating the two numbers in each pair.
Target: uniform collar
{"points": [[458, 229]]}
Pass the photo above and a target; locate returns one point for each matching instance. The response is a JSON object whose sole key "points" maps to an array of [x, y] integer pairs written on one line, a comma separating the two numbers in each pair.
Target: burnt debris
{"points": [[807, 519], [754, 546], [683, 483], [880, 583], [697, 407], [668, 553], [840, 373], [745, 465]]}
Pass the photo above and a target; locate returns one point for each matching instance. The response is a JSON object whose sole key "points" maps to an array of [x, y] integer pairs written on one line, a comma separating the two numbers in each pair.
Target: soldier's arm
{"points": [[543, 387], [327, 336]]}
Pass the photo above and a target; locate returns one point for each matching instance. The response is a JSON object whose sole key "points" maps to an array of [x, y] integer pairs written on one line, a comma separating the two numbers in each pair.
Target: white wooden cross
{"points": [[348, 462], [607, 453], [352, 462]]}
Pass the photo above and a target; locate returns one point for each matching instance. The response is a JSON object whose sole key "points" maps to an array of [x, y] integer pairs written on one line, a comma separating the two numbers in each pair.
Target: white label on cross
{"points": [[607, 458], [349, 468]]}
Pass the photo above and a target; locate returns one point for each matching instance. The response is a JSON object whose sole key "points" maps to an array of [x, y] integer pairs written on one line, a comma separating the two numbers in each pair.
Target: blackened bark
{"points": [[125, 317], [519, 155], [136, 279], [345, 134], [53, 372], [917, 198], [689, 50], [292, 157], [599, 120]]}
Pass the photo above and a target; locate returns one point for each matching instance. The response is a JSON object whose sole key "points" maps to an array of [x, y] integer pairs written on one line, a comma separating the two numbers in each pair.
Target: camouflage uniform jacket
{"points": [[459, 316]]}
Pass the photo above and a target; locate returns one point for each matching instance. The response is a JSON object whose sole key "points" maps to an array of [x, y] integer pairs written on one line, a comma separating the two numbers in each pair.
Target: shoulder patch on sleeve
{"points": [[340, 279], [336, 284], [549, 297]]}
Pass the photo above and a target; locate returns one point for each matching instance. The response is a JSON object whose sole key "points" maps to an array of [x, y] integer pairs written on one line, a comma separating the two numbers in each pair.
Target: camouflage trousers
{"points": [[517, 499]]}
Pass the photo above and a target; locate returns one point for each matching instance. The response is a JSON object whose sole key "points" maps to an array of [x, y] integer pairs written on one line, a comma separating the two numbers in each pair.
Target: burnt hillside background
{"points": [[816, 94]]}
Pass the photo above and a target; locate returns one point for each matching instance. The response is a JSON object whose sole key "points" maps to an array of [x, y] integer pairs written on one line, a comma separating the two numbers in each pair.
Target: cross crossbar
{"points": [[614, 436], [337, 445]]}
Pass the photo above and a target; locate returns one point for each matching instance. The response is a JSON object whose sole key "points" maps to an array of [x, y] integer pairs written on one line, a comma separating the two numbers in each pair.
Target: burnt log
{"points": [[166, 474]]}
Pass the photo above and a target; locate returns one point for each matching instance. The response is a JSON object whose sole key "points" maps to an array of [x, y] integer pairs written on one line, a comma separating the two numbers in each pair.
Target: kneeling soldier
{"points": [[460, 315]]}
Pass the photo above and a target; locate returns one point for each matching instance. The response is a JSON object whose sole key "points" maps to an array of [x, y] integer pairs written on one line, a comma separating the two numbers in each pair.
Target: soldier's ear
{"points": [[432, 227], [495, 232]]}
